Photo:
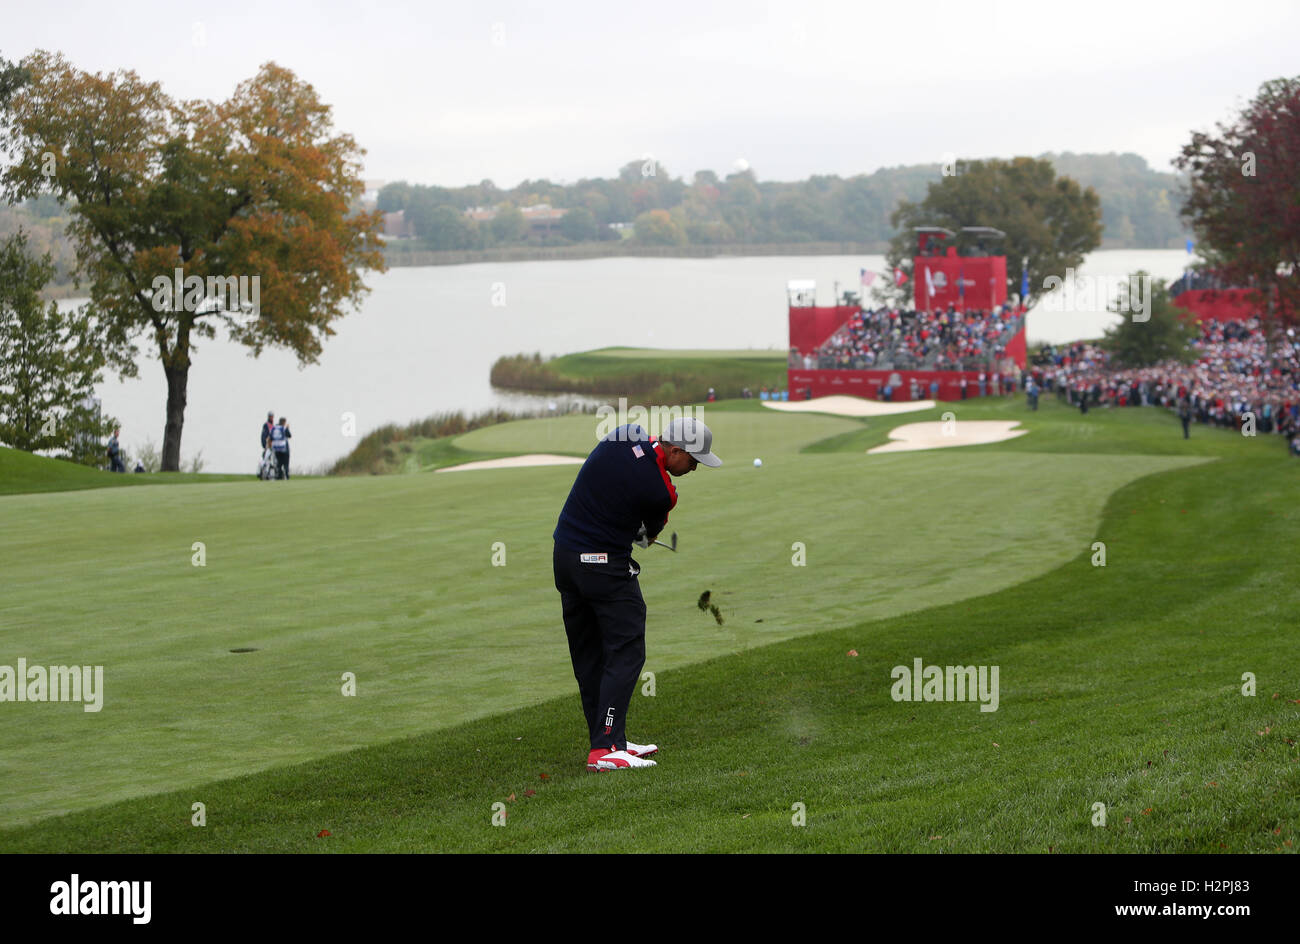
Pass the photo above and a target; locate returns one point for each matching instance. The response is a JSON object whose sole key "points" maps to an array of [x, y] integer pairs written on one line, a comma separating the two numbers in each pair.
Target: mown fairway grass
{"points": [[1119, 685]]}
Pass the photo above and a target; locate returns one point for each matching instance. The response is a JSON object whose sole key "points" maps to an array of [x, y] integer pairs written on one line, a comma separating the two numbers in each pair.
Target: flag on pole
{"points": [[899, 276], [867, 277], [929, 283], [1190, 244]]}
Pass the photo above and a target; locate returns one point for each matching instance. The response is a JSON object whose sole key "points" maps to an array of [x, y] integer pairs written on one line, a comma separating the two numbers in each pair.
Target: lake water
{"points": [[424, 340]]}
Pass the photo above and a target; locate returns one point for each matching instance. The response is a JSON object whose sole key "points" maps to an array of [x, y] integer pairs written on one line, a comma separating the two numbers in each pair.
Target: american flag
{"points": [[867, 277]]}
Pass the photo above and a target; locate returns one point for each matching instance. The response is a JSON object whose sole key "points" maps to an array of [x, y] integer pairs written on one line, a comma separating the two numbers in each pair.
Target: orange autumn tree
{"points": [[177, 206]]}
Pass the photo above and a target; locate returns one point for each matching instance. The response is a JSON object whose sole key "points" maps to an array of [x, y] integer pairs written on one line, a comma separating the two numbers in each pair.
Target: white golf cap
{"points": [[693, 436]]}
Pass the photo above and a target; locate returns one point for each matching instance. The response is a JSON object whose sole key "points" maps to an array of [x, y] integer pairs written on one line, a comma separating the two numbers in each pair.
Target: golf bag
{"points": [[266, 469]]}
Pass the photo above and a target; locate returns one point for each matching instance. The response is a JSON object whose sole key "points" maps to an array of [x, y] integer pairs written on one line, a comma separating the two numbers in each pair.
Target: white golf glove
{"points": [[642, 538]]}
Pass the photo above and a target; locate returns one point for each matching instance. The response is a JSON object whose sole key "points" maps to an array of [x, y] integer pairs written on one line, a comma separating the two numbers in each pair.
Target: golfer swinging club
{"points": [[622, 496]]}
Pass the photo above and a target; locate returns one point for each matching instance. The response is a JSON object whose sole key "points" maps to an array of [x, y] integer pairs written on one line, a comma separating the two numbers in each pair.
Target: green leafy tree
{"points": [[657, 228], [578, 225], [740, 204], [709, 233], [509, 225], [258, 186], [701, 213], [420, 204], [597, 204], [393, 197], [795, 218], [618, 198], [50, 362], [650, 186], [12, 78], [1135, 205], [446, 228], [484, 193], [1164, 336], [1050, 221]]}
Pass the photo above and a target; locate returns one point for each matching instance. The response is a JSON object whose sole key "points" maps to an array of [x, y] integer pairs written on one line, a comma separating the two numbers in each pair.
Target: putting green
{"points": [[392, 578]]}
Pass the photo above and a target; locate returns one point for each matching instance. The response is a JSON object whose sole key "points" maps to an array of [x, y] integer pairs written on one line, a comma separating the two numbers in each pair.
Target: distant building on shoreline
{"points": [[397, 226], [540, 218]]}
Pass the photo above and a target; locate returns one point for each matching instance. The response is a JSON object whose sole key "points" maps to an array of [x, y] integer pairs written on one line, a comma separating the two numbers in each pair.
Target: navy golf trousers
{"points": [[604, 618]]}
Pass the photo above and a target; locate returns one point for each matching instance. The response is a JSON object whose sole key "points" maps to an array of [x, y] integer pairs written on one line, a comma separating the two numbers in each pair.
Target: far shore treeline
{"points": [[645, 208], [659, 214]]}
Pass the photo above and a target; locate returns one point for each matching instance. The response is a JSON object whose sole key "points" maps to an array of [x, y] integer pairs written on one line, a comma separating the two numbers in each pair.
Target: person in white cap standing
{"points": [[622, 496]]}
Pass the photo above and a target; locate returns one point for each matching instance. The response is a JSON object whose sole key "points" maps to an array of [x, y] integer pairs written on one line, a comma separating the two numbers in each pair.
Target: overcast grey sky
{"points": [[451, 93]]}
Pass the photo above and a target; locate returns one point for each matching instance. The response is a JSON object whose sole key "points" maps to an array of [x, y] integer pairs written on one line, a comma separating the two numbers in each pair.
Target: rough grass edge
{"points": [[376, 454]]}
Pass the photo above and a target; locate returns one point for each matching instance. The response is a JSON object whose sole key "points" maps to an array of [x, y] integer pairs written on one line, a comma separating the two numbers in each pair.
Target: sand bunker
{"points": [[848, 406], [914, 436], [515, 462]]}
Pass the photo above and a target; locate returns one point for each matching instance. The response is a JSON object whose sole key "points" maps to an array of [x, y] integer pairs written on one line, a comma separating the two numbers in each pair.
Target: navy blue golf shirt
{"points": [[622, 484]]}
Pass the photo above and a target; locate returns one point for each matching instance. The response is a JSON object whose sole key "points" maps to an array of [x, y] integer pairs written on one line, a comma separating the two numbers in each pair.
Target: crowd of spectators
{"points": [[1237, 378], [894, 338]]}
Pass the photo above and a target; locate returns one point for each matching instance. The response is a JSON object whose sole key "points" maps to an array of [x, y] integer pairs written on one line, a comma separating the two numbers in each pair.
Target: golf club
{"points": [[671, 547]]}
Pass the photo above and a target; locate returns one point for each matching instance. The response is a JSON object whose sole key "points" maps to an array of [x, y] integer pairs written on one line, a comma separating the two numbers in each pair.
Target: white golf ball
{"points": [[757, 463]]}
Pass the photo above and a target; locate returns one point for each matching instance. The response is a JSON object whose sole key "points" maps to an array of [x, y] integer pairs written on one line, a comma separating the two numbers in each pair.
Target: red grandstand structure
{"points": [[1225, 304], [1208, 297], [943, 280]]}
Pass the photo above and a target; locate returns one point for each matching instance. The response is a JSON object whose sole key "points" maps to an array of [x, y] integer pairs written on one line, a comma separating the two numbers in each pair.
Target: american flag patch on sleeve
{"points": [[638, 451]]}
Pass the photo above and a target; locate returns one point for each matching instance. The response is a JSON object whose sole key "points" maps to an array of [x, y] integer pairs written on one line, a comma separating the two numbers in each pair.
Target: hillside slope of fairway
{"points": [[1119, 685], [392, 578], [25, 473]]}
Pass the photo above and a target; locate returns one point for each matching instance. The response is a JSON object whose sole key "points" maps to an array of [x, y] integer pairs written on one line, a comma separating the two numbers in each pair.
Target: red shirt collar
{"points": [[660, 457]]}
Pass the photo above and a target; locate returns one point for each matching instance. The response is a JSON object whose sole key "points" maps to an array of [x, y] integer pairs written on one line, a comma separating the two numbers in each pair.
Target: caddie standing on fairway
{"points": [[622, 496]]}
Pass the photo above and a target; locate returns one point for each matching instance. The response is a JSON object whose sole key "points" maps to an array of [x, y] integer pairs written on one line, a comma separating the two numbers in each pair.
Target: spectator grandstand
{"points": [[895, 339]]}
